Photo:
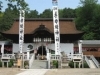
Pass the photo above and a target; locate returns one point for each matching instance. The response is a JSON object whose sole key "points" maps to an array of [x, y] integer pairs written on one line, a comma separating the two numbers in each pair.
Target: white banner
{"points": [[56, 30], [21, 30]]}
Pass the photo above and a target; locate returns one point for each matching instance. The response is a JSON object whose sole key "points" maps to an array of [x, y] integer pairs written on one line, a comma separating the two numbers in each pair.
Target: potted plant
{"points": [[26, 64]]}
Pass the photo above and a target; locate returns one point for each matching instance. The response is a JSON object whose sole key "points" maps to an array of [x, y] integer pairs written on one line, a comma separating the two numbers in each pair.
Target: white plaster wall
{"points": [[15, 48], [2, 42], [66, 47], [25, 45]]}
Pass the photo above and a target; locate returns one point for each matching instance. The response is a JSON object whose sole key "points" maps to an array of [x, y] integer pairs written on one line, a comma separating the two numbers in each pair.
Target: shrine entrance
{"points": [[41, 53]]}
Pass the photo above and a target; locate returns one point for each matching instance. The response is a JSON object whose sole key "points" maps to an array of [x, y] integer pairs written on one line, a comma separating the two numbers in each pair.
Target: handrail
{"points": [[49, 56], [11, 56], [31, 61], [86, 59], [25, 56], [95, 61], [55, 57], [73, 55]]}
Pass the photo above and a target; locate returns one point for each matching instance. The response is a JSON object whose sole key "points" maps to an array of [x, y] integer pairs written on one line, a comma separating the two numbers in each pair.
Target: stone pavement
{"points": [[34, 72]]}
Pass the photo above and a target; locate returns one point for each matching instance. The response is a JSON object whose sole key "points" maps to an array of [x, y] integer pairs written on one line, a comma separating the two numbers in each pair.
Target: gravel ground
{"points": [[73, 72], [14, 71], [9, 71]]}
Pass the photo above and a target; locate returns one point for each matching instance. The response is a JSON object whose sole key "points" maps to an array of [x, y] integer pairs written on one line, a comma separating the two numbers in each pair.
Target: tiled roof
{"points": [[67, 26]]}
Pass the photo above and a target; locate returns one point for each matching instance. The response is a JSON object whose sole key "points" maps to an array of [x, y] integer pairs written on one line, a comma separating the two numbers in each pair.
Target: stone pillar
{"points": [[48, 57], [28, 53], [80, 51], [79, 64], [74, 64], [2, 64], [7, 64], [80, 46], [2, 49]]}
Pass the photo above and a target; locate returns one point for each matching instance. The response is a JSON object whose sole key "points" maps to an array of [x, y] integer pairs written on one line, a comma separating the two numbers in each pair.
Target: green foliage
{"points": [[17, 3], [85, 65], [88, 18], [11, 12], [0, 64], [7, 20], [68, 13], [10, 64], [55, 63], [26, 63], [0, 5], [32, 14], [71, 64], [46, 14], [12, 61]]}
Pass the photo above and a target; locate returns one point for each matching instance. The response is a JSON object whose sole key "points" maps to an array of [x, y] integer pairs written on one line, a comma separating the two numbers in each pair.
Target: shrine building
{"points": [[39, 35]]}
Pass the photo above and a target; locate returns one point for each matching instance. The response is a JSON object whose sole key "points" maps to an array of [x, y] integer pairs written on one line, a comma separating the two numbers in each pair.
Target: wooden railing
{"points": [[94, 53]]}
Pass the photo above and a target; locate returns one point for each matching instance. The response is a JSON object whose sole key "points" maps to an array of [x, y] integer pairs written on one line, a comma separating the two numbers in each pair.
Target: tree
{"points": [[20, 4], [0, 6], [68, 13], [11, 12], [8, 19], [85, 18], [96, 20], [46, 14], [32, 14], [60, 13]]}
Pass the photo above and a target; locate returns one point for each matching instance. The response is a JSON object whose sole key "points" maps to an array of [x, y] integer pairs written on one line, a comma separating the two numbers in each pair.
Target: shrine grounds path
{"points": [[73, 72], [76, 71], [9, 71]]}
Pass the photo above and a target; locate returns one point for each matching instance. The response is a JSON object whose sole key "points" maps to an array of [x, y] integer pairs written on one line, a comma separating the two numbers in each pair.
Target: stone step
{"points": [[65, 61], [39, 64], [65, 64], [64, 67]]}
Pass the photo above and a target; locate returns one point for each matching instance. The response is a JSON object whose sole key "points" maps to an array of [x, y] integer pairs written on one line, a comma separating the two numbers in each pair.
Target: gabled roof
{"points": [[67, 26]]}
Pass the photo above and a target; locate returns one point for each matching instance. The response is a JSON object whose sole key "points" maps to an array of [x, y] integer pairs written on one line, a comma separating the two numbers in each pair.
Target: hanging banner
{"points": [[21, 30], [56, 27]]}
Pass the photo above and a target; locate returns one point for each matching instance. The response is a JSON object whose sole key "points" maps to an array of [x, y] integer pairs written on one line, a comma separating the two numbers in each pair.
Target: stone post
{"points": [[74, 64], [28, 53], [2, 49], [48, 57], [80, 46]]}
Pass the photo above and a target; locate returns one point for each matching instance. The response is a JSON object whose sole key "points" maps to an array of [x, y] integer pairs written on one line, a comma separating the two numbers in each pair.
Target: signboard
{"points": [[21, 30], [56, 27]]}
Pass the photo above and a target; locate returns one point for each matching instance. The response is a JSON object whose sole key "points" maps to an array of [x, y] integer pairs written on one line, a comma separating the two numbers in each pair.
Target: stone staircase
{"points": [[92, 65], [40, 64]]}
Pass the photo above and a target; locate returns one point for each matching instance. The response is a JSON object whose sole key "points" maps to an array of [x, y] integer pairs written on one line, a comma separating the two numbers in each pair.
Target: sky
{"points": [[41, 5]]}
